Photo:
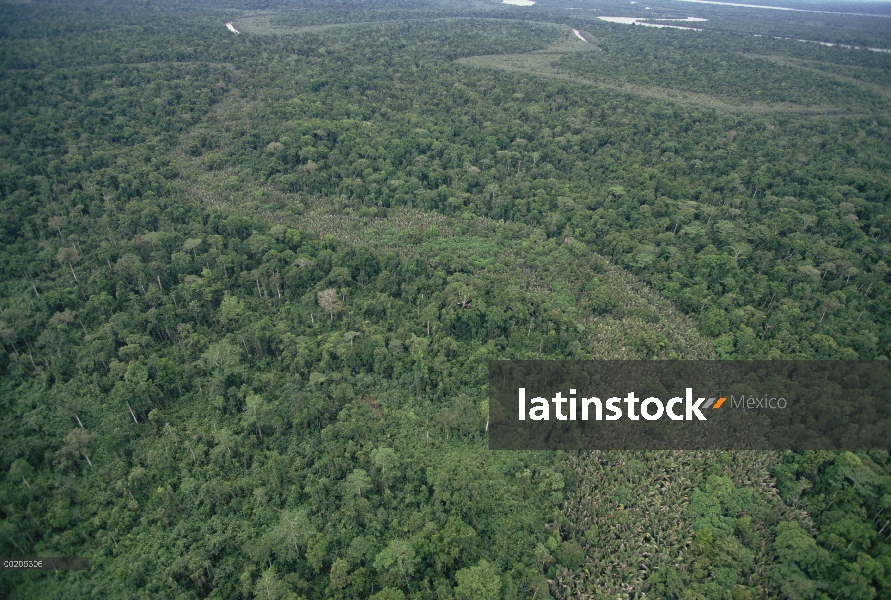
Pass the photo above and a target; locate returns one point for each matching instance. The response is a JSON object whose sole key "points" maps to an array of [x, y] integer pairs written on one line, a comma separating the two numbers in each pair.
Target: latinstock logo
{"points": [[651, 408]]}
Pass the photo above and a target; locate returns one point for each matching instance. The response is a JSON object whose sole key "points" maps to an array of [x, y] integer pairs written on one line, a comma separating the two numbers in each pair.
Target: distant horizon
{"points": [[810, 6]]}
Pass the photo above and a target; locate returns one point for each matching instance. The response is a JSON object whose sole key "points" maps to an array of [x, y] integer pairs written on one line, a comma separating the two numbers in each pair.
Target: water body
{"points": [[830, 44], [645, 22], [640, 21], [825, 12]]}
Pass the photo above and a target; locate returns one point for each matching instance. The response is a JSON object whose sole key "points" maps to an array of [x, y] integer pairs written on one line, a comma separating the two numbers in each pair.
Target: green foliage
{"points": [[740, 219], [389, 594], [846, 494], [250, 285], [479, 582]]}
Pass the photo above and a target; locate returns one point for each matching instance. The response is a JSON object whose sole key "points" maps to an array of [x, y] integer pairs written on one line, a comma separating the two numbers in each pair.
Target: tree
{"points": [[340, 574], [356, 482], [270, 587], [387, 462], [329, 301], [389, 593], [479, 582], [293, 531], [66, 256], [399, 555], [77, 442]]}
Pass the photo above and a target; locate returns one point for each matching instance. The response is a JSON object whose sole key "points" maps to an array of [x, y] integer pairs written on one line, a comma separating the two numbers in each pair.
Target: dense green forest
{"points": [[250, 284]]}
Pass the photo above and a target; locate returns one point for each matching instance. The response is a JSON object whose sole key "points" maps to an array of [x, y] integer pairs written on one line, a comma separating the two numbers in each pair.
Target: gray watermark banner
{"points": [[689, 405]]}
